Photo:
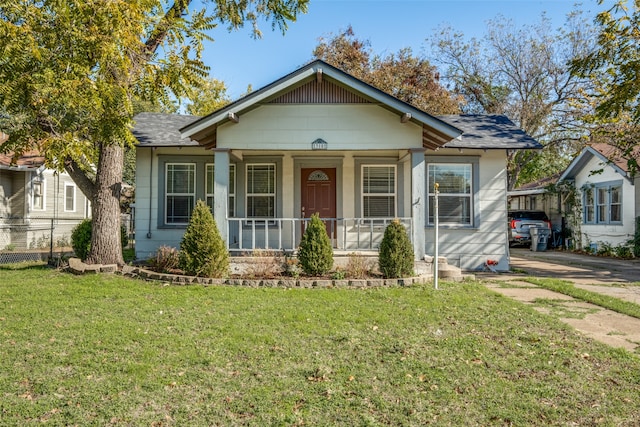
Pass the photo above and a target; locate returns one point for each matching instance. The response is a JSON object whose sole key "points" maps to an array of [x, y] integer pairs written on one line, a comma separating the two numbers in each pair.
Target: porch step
{"points": [[445, 270]]}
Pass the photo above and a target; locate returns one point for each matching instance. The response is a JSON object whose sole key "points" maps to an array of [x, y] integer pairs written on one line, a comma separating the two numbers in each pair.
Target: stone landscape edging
{"points": [[285, 282]]}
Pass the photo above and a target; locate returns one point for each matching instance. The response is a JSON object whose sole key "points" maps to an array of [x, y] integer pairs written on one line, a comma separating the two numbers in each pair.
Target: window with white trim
{"points": [[455, 198], [379, 191], [261, 190], [210, 184], [38, 195], [69, 197], [180, 192]]}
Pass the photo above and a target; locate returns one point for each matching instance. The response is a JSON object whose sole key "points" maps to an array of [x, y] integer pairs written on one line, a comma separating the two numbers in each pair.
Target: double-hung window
{"points": [[69, 197], [38, 195], [455, 193], [261, 190], [379, 191], [602, 203], [210, 184], [180, 192], [589, 205]]}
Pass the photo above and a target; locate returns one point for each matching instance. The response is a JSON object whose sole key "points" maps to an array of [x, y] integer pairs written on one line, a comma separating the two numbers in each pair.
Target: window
{"points": [[210, 185], [603, 203], [180, 191], [69, 197], [38, 195], [455, 204], [589, 206], [261, 190], [378, 191]]}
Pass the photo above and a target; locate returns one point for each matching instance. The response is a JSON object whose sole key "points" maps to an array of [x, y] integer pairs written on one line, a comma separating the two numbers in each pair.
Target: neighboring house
{"points": [[320, 140], [34, 199], [608, 194], [536, 196]]}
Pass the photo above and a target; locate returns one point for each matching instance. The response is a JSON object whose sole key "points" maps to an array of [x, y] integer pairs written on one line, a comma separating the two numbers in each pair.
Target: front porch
{"points": [[247, 235]]}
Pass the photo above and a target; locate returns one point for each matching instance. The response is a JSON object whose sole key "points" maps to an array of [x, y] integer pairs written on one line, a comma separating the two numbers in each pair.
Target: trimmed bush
{"points": [[315, 253], [81, 238], [202, 251], [395, 257]]}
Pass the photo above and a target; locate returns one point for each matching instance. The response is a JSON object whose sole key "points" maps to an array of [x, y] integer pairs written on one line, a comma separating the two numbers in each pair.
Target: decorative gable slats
{"points": [[324, 92]]}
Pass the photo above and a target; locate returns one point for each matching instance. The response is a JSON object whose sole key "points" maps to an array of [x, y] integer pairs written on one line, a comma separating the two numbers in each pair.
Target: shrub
{"points": [[166, 259], [81, 238], [358, 266], [395, 257], [202, 250], [315, 253]]}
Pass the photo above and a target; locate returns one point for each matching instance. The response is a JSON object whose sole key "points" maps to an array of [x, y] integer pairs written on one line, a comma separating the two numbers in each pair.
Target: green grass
{"points": [[605, 301], [99, 350]]}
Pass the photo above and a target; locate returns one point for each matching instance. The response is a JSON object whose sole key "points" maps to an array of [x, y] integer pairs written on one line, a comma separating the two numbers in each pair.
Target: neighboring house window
{"points": [[210, 184], [180, 192], [261, 190], [38, 189], [589, 206], [603, 203], [378, 191], [455, 203], [69, 197]]}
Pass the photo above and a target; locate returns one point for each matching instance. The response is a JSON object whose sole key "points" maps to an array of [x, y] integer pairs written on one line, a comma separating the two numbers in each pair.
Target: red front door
{"points": [[319, 195]]}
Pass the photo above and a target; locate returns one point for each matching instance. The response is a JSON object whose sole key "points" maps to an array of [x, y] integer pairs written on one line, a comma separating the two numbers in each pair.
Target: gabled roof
{"points": [[162, 130], [488, 131], [607, 154], [436, 132]]}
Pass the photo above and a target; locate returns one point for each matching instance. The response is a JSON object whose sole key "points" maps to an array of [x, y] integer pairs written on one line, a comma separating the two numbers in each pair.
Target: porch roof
{"points": [[486, 131], [436, 132]]}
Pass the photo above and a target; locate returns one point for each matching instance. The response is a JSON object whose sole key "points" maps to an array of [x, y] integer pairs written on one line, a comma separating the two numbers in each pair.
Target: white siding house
{"points": [[321, 141], [608, 194]]}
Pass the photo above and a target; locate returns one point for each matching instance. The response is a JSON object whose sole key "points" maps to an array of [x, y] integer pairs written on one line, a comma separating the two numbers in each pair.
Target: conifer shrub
{"points": [[395, 257], [202, 251], [81, 238], [315, 254]]}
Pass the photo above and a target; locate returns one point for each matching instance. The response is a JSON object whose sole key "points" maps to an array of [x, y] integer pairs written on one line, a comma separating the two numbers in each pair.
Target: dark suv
{"points": [[521, 221]]}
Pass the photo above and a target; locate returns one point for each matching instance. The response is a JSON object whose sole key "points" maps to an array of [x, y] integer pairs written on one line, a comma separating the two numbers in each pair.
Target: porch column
{"points": [[221, 191], [418, 201]]}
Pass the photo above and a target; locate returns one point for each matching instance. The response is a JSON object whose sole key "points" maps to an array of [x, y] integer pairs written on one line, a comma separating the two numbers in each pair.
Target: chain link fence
{"points": [[40, 239]]}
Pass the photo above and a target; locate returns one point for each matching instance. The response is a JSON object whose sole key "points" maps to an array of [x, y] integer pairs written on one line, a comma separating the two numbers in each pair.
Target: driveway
{"points": [[613, 277]]}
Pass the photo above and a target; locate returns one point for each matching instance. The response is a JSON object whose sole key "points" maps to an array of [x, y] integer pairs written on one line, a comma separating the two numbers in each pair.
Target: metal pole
{"points": [[435, 225]]}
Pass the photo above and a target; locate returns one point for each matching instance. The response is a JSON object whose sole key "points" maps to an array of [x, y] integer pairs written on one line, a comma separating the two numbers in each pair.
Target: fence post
{"points": [[51, 242]]}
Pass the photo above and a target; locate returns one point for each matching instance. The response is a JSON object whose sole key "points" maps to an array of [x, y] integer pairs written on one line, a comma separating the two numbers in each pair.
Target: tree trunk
{"points": [[106, 245]]}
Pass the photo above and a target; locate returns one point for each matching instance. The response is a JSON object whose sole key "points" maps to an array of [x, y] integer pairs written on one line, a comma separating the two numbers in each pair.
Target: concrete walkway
{"points": [[613, 277]]}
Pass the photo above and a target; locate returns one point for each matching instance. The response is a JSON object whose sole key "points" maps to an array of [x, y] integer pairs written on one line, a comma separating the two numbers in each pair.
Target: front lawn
{"points": [[106, 350]]}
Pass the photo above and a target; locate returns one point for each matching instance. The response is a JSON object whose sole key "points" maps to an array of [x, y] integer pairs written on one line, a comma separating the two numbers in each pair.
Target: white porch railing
{"points": [[284, 234]]}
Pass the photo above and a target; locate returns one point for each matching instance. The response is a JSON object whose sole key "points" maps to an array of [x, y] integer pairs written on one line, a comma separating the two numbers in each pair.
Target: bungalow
{"points": [[38, 206], [320, 140], [608, 194]]}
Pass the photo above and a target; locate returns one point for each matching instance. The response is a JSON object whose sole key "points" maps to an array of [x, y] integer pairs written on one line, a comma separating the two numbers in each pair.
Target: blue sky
{"points": [[390, 25]]}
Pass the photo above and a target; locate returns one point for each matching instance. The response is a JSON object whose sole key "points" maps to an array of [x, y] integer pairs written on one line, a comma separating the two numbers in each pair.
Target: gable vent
{"points": [[319, 93]]}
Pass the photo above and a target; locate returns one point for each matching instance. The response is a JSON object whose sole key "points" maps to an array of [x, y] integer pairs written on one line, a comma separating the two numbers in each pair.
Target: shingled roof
{"points": [[162, 130], [488, 132]]}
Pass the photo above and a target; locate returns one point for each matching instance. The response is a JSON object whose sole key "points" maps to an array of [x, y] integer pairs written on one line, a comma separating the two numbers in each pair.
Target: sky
{"points": [[390, 25]]}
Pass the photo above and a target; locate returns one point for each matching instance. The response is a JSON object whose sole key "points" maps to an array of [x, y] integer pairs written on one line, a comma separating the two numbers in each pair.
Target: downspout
{"points": [[150, 191]]}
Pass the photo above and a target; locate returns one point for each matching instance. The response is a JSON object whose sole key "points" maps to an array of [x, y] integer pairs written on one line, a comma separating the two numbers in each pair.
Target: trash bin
{"points": [[539, 238]]}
